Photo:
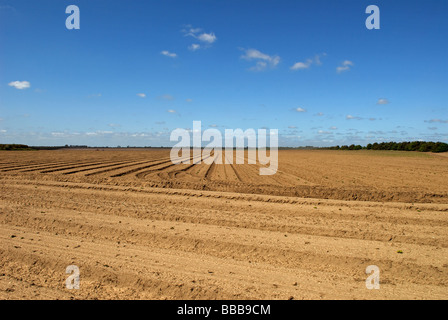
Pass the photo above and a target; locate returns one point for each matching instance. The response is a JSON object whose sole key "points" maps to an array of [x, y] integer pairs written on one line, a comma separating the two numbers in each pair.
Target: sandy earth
{"points": [[139, 227]]}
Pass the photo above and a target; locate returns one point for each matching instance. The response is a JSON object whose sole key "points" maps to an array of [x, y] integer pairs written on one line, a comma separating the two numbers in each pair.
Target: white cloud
{"points": [[260, 66], [308, 62], [172, 111], [3, 131], [207, 37], [166, 97], [190, 31], [255, 54], [302, 65], [194, 47], [346, 65], [350, 117], [436, 121], [382, 101], [299, 109], [20, 84], [169, 54], [275, 60], [317, 58], [195, 30], [141, 95], [263, 59]]}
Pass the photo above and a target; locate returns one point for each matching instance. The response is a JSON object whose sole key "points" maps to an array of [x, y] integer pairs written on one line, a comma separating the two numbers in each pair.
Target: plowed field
{"points": [[141, 227]]}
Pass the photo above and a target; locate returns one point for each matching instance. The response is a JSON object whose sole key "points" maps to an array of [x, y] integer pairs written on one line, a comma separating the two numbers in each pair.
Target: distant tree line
{"points": [[421, 146], [14, 147]]}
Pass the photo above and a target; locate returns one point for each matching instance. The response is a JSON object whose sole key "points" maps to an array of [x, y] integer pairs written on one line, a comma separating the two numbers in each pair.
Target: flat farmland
{"points": [[141, 227]]}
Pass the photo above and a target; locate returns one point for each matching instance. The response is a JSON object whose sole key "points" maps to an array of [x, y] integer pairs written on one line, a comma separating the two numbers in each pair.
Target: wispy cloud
{"points": [[263, 61], [7, 7], [206, 38], [171, 111], [305, 65], [299, 109], [382, 101], [190, 31], [168, 54], [141, 95], [317, 58], [194, 47], [259, 66], [346, 65], [166, 97], [350, 117], [436, 121], [20, 84], [189, 100]]}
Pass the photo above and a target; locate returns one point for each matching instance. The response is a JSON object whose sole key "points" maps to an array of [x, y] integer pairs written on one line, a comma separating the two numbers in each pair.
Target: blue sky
{"points": [[136, 70]]}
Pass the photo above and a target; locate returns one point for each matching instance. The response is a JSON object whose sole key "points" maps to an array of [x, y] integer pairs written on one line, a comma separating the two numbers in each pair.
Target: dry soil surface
{"points": [[140, 227]]}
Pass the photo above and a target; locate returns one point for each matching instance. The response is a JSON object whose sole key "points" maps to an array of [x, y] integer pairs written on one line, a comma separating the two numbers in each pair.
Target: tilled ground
{"points": [[139, 227]]}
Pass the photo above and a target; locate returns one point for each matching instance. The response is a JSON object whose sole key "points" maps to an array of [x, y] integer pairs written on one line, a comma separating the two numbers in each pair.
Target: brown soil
{"points": [[140, 227]]}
